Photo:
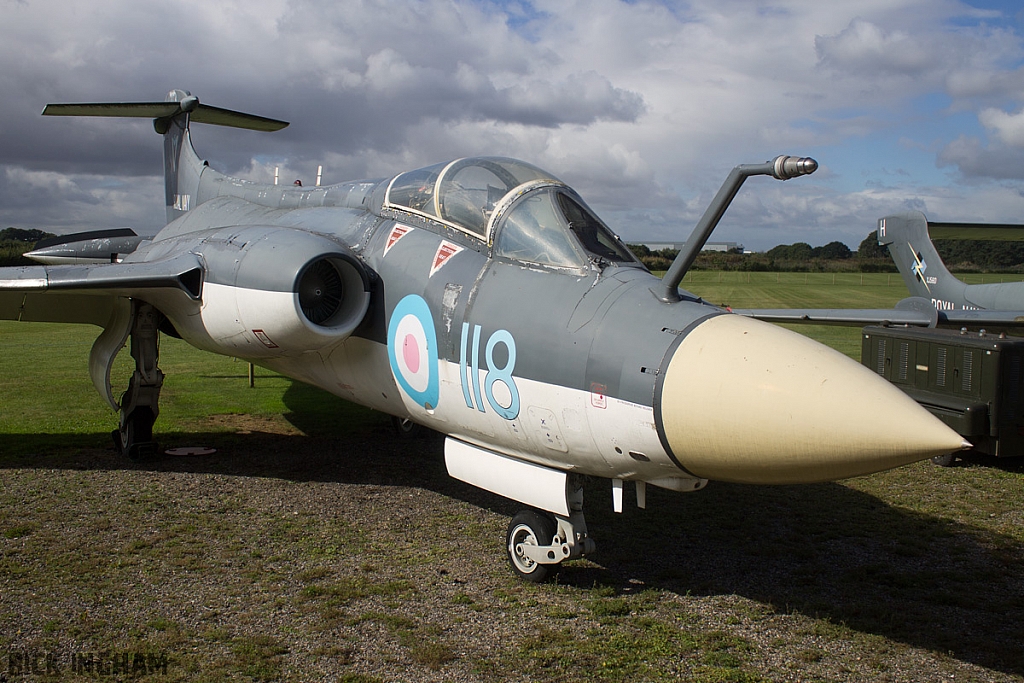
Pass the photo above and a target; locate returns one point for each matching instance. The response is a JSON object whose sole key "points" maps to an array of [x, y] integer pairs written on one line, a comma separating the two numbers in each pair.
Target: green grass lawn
{"points": [[46, 389], [803, 290]]}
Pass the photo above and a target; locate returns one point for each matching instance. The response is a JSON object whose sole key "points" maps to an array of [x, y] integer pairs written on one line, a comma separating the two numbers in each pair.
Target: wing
{"points": [[976, 231], [912, 311], [838, 316], [82, 293], [98, 295]]}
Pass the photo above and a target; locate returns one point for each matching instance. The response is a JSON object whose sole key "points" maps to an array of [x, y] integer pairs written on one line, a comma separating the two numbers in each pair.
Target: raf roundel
{"points": [[412, 350]]}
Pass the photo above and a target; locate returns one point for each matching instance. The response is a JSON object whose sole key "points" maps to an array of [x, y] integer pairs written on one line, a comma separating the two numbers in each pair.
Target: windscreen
{"points": [[534, 230]]}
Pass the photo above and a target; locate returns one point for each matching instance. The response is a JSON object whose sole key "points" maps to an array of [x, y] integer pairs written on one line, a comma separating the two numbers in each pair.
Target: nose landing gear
{"points": [[537, 542]]}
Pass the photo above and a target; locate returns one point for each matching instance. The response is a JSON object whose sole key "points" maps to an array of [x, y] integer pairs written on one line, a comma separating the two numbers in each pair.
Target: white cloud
{"points": [[62, 203], [966, 83], [977, 162], [1009, 128], [863, 47]]}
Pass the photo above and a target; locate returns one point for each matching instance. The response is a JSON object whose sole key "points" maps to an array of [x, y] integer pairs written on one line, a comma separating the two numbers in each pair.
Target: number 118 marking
{"points": [[470, 372]]}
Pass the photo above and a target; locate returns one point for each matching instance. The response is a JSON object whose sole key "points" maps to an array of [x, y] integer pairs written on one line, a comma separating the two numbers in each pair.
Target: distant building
{"points": [[658, 246], [710, 246], [723, 246]]}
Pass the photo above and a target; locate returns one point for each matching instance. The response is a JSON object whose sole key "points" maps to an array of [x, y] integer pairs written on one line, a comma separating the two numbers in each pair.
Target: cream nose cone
{"points": [[746, 401]]}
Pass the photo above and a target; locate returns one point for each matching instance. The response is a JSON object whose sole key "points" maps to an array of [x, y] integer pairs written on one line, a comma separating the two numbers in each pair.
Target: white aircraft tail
{"points": [[182, 166]]}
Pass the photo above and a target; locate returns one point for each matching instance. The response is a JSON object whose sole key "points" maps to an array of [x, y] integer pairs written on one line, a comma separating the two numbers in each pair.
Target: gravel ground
{"points": [[286, 557]]}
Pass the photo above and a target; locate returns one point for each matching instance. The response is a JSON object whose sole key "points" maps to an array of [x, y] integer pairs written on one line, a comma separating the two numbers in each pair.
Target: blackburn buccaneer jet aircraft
{"points": [[481, 298]]}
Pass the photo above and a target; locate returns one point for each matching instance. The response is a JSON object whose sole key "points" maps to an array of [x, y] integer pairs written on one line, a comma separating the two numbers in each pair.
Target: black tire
{"points": [[530, 528], [945, 460], [137, 442]]}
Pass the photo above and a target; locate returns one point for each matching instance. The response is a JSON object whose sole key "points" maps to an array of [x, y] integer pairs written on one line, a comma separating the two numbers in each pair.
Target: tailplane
{"points": [[178, 102], [182, 166]]}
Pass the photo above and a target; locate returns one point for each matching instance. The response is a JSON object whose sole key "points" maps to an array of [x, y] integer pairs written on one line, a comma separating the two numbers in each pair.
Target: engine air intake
{"points": [[321, 291]]}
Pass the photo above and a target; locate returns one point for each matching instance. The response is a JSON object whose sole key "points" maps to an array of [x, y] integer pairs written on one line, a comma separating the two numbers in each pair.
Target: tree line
{"points": [[14, 242], [962, 256]]}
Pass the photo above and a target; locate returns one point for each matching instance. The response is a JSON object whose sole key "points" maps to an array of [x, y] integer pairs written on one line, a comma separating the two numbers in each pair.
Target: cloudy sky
{"points": [[643, 106]]}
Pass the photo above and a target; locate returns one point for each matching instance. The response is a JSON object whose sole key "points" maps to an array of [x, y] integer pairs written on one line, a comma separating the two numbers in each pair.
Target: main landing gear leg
{"points": [[140, 403], [538, 542]]}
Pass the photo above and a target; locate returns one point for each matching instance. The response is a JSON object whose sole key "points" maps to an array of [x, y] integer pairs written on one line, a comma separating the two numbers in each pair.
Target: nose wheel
{"points": [[537, 542], [527, 533]]}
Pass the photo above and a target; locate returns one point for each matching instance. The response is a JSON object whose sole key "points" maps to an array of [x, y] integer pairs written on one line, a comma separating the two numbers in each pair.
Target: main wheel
{"points": [[529, 528], [136, 442], [405, 428], [945, 460]]}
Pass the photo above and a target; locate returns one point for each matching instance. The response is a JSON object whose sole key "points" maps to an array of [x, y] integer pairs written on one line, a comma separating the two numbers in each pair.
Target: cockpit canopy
{"points": [[525, 213]]}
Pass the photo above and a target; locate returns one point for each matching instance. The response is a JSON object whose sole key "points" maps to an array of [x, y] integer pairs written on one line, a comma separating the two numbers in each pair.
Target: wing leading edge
{"points": [[75, 293], [912, 311]]}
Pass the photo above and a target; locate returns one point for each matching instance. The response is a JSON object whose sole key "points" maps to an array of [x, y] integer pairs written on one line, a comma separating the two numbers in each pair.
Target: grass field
{"points": [[317, 545], [803, 290]]}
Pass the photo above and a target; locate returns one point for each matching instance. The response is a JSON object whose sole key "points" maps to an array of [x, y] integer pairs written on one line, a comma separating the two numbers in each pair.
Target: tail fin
{"points": [[182, 166], [911, 248]]}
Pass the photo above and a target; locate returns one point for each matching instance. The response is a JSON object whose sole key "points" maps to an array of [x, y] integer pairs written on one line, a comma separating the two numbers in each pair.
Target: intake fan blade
{"points": [[320, 291]]}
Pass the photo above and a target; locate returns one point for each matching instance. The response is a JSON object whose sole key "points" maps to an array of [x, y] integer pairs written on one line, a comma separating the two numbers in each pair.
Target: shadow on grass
{"points": [[826, 551]]}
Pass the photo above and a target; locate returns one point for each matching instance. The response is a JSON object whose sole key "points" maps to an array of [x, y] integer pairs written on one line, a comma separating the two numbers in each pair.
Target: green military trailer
{"points": [[972, 381]]}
